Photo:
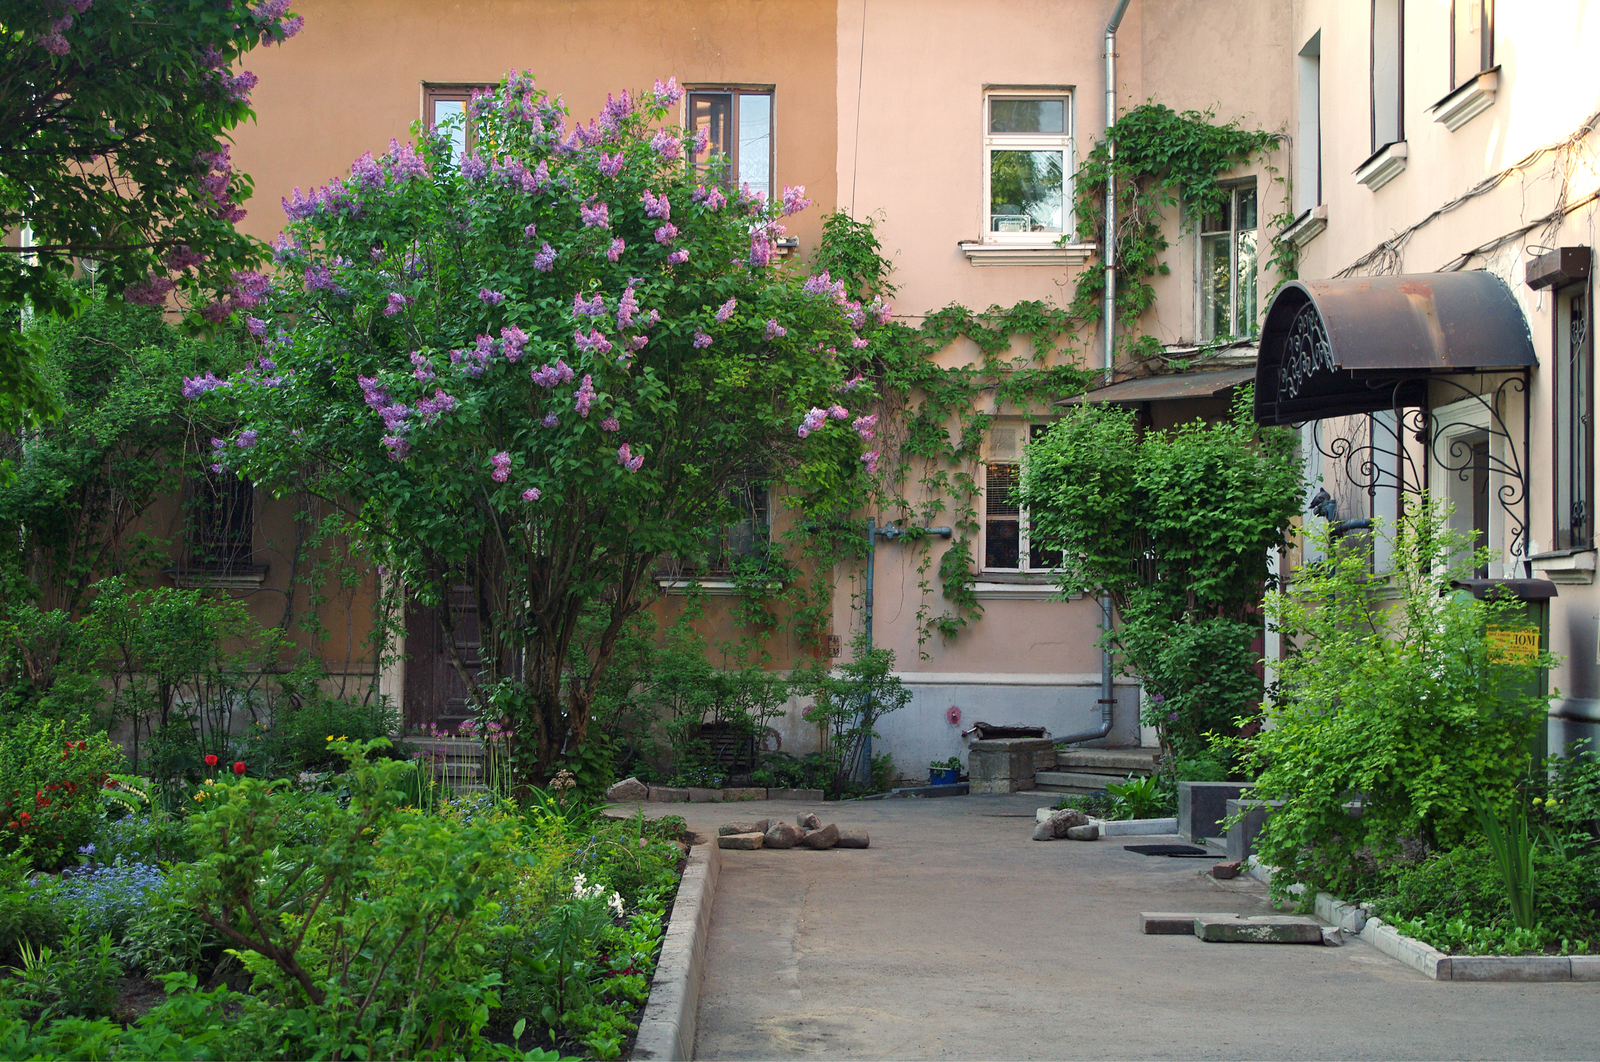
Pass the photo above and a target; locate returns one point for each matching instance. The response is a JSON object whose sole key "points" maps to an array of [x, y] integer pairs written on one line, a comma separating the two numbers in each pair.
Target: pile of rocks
{"points": [[1072, 824], [807, 832]]}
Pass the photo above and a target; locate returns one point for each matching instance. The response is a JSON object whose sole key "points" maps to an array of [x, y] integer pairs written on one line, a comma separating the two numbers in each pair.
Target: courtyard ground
{"points": [[956, 936]]}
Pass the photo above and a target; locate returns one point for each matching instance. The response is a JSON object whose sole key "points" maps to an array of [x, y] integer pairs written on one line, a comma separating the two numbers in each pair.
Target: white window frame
{"points": [[1202, 318], [1003, 445], [1031, 142]]}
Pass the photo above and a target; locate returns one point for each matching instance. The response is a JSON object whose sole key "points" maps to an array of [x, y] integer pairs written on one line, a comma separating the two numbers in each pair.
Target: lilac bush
{"points": [[536, 368]]}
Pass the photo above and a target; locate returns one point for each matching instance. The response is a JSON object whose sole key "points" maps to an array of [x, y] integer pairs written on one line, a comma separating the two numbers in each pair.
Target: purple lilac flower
{"points": [[855, 315], [595, 215], [726, 310], [761, 250], [593, 341], [870, 459], [406, 161], [397, 303], [677, 257], [712, 197], [529, 495], [256, 325], [582, 307], [610, 165], [638, 342], [794, 199], [422, 368], [584, 396], [545, 260], [627, 306], [367, 172], [667, 233], [239, 86], [397, 446], [666, 145], [610, 424], [864, 425], [195, 386], [814, 419], [152, 292], [431, 409], [652, 318], [502, 467], [632, 462], [515, 339], [882, 311], [775, 330], [614, 252], [247, 439], [550, 420], [852, 383], [535, 182], [838, 412], [473, 168], [493, 298], [656, 206], [182, 257], [530, 231], [270, 10], [669, 93], [701, 340]]}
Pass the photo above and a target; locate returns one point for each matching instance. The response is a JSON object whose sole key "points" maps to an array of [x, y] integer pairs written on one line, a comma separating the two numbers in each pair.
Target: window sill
{"points": [[1467, 101], [1569, 566], [1017, 586], [1387, 163], [715, 586], [1307, 227], [238, 577], [980, 253]]}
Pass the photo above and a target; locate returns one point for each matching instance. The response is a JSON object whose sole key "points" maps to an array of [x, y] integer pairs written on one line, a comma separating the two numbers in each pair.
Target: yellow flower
{"points": [[330, 737], [199, 796], [343, 738]]}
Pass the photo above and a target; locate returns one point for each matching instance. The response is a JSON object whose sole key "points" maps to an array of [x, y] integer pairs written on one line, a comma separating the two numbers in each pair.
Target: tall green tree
{"points": [[113, 120], [536, 369]]}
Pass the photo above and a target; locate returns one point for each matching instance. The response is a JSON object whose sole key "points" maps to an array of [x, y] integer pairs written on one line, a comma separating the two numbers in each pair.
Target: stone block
{"points": [[698, 795], [1332, 937], [1167, 923], [727, 829], [1003, 765], [854, 837], [1203, 805], [1585, 967], [627, 789], [744, 794], [1242, 834], [667, 795], [794, 794], [1261, 929], [1088, 832], [744, 841], [1226, 871], [1510, 968]]}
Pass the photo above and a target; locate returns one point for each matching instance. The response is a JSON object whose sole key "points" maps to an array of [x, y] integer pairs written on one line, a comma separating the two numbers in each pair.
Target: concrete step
{"points": [[1117, 762], [1072, 782]]}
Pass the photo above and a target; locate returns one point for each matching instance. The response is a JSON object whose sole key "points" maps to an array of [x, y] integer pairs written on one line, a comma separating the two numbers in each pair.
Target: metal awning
{"points": [[1332, 348], [1213, 383]]}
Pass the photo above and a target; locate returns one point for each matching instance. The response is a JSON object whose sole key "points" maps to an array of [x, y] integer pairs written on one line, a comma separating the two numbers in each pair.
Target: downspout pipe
{"points": [[1109, 319]]}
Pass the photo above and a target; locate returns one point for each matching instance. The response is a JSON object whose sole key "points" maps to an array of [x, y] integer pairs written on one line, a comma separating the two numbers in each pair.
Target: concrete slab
{"points": [[954, 936], [1510, 968], [1257, 929]]}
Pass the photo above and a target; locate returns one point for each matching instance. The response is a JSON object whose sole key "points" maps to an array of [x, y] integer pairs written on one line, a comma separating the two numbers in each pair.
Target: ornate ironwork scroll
{"points": [[1306, 352]]}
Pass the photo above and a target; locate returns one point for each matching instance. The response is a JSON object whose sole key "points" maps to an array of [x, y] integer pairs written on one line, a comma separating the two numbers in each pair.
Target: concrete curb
{"points": [[666, 1028], [1433, 963]]}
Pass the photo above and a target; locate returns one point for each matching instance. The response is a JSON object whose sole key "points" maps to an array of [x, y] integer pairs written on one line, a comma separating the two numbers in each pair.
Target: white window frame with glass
{"points": [[1038, 124], [739, 126], [1004, 521], [750, 535], [1228, 267], [443, 103]]}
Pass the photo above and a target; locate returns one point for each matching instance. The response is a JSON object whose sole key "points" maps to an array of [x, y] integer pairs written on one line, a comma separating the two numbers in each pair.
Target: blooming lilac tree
{"points": [[537, 368], [112, 120]]}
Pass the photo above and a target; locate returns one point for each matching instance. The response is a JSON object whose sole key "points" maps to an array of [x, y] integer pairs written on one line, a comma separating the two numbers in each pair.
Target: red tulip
{"points": [[239, 768], [211, 760]]}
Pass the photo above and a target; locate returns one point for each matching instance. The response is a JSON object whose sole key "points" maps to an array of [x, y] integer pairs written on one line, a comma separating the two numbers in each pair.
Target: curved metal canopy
{"points": [[1331, 348]]}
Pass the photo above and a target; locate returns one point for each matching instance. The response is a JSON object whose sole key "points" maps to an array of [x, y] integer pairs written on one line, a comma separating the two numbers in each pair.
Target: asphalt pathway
{"points": [[956, 936]]}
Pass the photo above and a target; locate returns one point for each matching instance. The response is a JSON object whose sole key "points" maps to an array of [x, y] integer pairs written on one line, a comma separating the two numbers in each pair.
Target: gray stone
{"points": [[809, 821], [744, 794], [1003, 765], [1203, 805], [1332, 936], [783, 835], [666, 795], [1167, 923], [853, 837], [697, 795], [1510, 968], [1088, 832], [1056, 826], [628, 789], [1585, 967], [794, 794], [821, 839], [1043, 832], [745, 841], [759, 826], [1260, 929], [1242, 834]]}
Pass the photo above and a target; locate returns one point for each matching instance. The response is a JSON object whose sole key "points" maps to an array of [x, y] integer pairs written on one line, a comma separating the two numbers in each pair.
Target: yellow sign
{"points": [[1513, 645]]}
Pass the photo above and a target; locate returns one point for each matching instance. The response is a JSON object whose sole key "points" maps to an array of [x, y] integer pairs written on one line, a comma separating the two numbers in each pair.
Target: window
{"points": [[1228, 266], [738, 127], [221, 522], [1574, 413], [1027, 155], [1308, 145], [1005, 524], [446, 106], [746, 537], [1388, 73], [1471, 39]]}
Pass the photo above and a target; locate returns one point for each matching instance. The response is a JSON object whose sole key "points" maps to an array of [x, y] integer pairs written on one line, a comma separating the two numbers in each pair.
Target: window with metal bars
{"points": [[221, 522], [1574, 419]]}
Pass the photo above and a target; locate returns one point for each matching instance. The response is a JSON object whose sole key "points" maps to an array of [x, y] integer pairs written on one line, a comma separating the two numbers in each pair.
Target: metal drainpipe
{"points": [[1108, 313]]}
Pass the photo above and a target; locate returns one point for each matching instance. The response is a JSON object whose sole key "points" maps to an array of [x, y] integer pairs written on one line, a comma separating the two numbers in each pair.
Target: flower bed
{"points": [[360, 914]]}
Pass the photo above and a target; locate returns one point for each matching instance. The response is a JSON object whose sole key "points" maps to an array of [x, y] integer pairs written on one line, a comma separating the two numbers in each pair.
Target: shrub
{"points": [[849, 705], [1402, 703], [104, 899], [52, 777]]}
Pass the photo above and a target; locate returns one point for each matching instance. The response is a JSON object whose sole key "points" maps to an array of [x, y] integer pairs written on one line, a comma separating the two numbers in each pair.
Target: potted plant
{"points": [[944, 772]]}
